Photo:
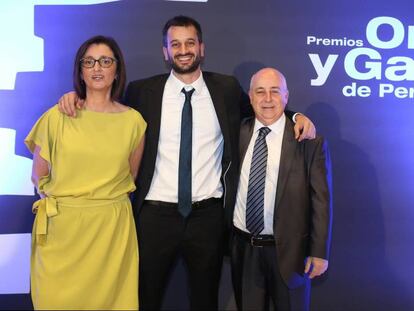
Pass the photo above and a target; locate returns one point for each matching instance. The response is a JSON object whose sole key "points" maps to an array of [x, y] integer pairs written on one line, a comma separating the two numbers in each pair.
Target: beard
{"points": [[184, 69]]}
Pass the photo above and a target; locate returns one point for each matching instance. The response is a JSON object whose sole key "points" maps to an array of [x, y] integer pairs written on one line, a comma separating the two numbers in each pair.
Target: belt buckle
{"points": [[252, 240]]}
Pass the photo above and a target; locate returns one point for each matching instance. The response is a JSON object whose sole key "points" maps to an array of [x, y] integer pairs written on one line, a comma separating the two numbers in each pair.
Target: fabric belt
{"points": [[194, 205], [258, 240], [48, 207]]}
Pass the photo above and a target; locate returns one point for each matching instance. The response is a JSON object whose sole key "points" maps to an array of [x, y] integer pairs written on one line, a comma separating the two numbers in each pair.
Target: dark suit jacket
{"points": [[303, 206], [228, 99]]}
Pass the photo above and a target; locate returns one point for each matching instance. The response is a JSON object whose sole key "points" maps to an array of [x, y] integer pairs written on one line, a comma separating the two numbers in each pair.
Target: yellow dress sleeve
{"points": [[44, 134], [140, 128]]}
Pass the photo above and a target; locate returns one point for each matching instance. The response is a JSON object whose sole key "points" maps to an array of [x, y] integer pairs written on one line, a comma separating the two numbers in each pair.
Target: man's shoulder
{"points": [[246, 125], [219, 77], [154, 80], [247, 121]]}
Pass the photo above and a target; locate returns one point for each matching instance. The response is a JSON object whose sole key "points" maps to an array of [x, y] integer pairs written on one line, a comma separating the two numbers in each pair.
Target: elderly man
{"points": [[283, 213]]}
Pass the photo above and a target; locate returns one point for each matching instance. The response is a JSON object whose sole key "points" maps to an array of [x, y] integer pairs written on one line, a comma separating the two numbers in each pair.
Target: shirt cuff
{"points": [[294, 116]]}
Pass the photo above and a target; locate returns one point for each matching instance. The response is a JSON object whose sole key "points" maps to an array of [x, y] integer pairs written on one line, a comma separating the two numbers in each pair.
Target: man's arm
{"points": [[69, 102], [321, 216], [315, 266], [40, 168], [304, 127]]}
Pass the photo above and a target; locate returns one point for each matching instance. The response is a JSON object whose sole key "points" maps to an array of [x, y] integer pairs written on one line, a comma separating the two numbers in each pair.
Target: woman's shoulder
{"points": [[119, 107], [53, 111], [137, 116], [123, 108], [51, 115], [130, 113]]}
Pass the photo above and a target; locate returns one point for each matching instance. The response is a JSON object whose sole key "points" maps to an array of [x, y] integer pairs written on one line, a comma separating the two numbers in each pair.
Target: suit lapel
{"points": [[218, 98], [286, 159], [246, 132], [153, 97]]}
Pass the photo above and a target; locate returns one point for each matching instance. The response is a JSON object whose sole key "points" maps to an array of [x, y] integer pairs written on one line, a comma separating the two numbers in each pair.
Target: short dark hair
{"points": [[118, 84], [181, 21]]}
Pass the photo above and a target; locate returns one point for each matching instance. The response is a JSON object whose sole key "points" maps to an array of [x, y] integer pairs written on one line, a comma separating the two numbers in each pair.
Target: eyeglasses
{"points": [[104, 62]]}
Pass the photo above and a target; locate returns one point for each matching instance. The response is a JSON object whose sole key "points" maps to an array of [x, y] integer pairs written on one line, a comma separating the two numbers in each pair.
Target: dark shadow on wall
{"points": [[16, 302], [244, 71], [359, 276]]}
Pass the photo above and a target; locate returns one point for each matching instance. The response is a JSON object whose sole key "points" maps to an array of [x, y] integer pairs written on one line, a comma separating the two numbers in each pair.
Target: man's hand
{"points": [[304, 128], [315, 266], [68, 104]]}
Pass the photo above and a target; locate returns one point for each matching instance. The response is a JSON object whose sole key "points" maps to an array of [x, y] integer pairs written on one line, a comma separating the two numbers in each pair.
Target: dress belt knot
{"points": [[44, 208]]}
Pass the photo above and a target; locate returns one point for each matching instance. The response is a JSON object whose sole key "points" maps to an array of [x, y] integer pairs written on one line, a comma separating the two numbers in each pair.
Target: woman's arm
{"points": [[40, 168]]}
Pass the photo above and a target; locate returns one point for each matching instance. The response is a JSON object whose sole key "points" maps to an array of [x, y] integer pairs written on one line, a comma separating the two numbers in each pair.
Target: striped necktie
{"points": [[257, 178]]}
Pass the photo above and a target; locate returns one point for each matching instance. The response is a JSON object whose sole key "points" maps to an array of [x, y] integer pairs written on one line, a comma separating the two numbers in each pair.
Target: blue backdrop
{"points": [[349, 66]]}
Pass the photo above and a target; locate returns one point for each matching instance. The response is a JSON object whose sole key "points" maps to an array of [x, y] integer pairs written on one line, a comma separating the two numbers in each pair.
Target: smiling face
{"points": [[268, 95], [183, 51], [98, 78]]}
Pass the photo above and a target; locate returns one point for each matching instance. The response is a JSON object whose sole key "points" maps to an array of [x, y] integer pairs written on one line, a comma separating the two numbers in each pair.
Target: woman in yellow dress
{"points": [[84, 243]]}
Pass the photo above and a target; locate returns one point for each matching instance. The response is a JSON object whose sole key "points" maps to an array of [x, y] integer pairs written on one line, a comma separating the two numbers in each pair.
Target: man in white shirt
{"points": [[283, 214]]}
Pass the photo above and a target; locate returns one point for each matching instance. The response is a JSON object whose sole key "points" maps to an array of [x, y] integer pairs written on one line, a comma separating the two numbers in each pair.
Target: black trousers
{"points": [[257, 280], [163, 234]]}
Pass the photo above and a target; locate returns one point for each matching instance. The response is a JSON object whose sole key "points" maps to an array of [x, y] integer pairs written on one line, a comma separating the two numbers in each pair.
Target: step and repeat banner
{"points": [[349, 67]]}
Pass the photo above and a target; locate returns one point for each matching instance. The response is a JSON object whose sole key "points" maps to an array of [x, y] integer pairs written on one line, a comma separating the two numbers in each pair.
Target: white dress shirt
{"points": [[207, 144], [274, 147]]}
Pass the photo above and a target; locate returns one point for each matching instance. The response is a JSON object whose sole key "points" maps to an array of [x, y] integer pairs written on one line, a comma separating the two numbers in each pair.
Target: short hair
{"points": [[118, 84], [181, 21]]}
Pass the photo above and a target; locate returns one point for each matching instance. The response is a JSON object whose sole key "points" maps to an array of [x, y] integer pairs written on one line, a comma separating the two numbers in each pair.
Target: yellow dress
{"points": [[84, 243]]}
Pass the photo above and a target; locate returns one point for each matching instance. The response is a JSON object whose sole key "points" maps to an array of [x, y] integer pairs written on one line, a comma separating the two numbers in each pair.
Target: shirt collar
{"points": [[277, 127], [177, 85]]}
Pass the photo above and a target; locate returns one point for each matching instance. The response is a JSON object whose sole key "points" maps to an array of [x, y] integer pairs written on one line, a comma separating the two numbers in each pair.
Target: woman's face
{"points": [[102, 71]]}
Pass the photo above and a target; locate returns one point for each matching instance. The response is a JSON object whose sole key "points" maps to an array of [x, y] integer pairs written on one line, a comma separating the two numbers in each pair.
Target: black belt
{"points": [[194, 205], [258, 240]]}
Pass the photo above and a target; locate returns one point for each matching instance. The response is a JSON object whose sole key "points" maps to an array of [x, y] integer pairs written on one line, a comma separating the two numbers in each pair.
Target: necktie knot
{"points": [[263, 131], [188, 93]]}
